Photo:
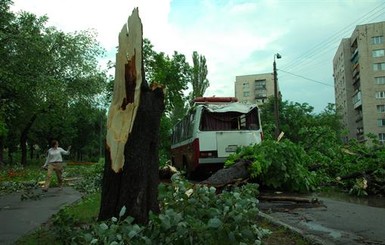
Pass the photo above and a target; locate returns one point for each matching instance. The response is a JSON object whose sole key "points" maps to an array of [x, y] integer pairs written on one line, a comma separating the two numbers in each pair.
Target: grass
{"points": [[280, 235], [87, 210]]}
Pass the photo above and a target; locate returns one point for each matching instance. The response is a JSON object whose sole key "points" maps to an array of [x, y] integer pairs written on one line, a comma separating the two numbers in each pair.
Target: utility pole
{"points": [[276, 100]]}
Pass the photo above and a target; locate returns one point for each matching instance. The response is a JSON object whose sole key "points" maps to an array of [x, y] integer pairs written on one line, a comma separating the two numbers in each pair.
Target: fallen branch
{"points": [[288, 199], [233, 174]]}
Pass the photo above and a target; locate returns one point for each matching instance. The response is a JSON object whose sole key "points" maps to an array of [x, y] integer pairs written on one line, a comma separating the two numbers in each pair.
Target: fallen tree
{"points": [[236, 173]]}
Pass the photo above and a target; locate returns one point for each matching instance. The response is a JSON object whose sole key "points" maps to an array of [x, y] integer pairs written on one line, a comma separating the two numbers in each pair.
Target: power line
{"points": [[310, 53], [322, 48], [330, 42], [306, 78]]}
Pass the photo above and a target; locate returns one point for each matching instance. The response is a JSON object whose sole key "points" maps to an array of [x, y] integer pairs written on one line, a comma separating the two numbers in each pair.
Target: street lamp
{"points": [[276, 113]]}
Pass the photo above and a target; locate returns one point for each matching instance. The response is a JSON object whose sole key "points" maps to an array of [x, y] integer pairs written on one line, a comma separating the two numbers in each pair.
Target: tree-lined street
{"points": [[52, 87]]}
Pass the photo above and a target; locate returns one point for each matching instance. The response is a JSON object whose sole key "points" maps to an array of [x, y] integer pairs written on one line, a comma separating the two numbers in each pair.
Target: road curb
{"points": [[310, 238]]}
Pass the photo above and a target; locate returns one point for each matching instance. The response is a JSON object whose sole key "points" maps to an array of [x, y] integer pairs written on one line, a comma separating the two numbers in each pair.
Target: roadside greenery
{"points": [[353, 168], [190, 214], [83, 176], [278, 165]]}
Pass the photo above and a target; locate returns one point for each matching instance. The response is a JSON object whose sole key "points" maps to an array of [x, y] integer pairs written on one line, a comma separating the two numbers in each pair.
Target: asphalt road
{"points": [[19, 217], [332, 222]]}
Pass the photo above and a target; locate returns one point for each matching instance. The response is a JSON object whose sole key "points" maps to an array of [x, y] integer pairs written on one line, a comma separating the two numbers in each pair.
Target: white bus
{"points": [[213, 129]]}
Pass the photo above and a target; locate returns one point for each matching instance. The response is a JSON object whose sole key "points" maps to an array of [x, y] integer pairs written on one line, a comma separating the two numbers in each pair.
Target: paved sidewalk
{"points": [[18, 217]]}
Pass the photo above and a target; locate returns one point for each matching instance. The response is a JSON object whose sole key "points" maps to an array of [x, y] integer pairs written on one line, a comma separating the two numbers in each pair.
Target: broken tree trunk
{"points": [[236, 172], [131, 176]]}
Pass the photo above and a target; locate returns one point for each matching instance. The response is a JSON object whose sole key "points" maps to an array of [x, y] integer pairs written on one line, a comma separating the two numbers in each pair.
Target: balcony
{"points": [[359, 118], [260, 96], [356, 79], [356, 71], [354, 55], [356, 99]]}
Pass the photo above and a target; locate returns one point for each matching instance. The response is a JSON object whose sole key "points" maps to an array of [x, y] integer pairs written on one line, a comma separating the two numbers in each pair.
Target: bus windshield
{"points": [[230, 120]]}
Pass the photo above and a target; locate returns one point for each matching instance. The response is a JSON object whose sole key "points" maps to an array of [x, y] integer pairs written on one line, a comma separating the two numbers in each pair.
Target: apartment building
{"points": [[254, 89], [359, 82]]}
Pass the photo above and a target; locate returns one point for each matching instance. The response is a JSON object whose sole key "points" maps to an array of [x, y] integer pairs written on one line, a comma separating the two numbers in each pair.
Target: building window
{"points": [[379, 66], [380, 108], [246, 93], [260, 84], [260, 95], [357, 97], [378, 53], [380, 122], [377, 40], [380, 80], [381, 137], [246, 86], [380, 95]]}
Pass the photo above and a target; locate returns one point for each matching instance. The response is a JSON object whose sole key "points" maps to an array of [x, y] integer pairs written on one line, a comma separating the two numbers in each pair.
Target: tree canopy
{"points": [[45, 75], [199, 81]]}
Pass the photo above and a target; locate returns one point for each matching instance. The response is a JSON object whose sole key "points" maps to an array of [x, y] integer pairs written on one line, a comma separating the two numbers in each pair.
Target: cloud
{"points": [[237, 37]]}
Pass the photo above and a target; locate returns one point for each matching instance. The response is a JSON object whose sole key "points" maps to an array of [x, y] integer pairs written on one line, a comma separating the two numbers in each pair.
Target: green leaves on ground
{"points": [[191, 214]]}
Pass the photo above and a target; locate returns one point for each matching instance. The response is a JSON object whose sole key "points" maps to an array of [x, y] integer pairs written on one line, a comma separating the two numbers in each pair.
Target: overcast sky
{"points": [[237, 37]]}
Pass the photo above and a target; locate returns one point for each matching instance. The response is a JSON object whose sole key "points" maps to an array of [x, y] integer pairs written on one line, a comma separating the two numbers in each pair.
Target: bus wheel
{"points": [[172, 162], [186, 171]]}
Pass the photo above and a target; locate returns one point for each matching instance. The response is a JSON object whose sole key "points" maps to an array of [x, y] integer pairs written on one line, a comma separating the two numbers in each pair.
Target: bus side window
{"points": [[191, 125], [242, 121]]}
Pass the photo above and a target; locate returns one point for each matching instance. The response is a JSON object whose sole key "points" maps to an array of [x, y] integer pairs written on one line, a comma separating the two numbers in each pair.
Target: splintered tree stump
{"points": [[131, 175]]}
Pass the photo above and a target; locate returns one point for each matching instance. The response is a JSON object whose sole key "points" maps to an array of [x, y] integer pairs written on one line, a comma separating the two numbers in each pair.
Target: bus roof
{"points": [[215, 100]]}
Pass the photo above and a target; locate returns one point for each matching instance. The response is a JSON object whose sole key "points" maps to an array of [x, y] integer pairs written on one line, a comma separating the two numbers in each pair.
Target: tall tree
{"points": [[48, 72], [6, 42], [299, 123], [174, 73], [199, 81]]}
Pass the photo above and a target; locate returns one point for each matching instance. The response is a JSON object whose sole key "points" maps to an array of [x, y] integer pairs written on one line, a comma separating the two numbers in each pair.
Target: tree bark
{"points": [[288, 199], [1, 152], [135, 187], [131, 175], [225, 176], [24, 138]]}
